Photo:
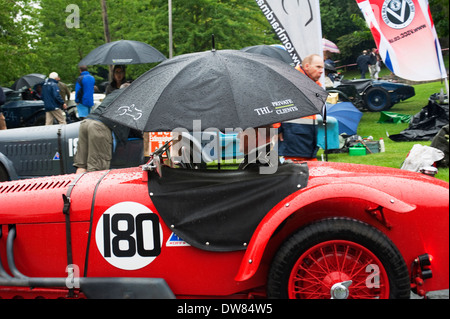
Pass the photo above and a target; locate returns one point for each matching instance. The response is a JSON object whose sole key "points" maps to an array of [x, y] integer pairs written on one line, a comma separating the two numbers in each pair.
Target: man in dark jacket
{"points": [[52, 101], [363, 62], [298, 137]]}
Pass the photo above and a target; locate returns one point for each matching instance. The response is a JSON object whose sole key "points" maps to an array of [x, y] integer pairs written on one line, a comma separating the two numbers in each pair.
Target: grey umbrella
{"points": [[272, 51], [28, 81], [222, 89], [123, 52]]}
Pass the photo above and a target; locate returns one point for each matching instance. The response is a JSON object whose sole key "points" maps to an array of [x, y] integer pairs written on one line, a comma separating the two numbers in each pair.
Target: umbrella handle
{"points": [[324, 123]]}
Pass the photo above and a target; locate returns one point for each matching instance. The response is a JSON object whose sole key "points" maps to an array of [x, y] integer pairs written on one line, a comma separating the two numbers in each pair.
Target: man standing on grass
{"points": [[84, 92], [53, 102], [363, 62]]}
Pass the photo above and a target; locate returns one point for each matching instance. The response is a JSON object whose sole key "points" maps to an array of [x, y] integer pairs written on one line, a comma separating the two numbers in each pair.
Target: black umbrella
{"points": [[272, 51], [223, 89], [28, 81], [123, 52]]}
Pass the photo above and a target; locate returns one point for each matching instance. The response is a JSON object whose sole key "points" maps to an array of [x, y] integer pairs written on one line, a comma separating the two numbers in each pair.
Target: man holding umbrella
{"points": [[211, 89], [298, 138], [84, 92]]}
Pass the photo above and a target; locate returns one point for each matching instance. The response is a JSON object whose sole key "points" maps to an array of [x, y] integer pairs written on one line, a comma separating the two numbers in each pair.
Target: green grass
{"points": [[396, 152]]}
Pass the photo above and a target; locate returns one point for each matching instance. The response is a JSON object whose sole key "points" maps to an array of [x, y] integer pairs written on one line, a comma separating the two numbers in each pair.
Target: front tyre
{"points": [[339, 259]]}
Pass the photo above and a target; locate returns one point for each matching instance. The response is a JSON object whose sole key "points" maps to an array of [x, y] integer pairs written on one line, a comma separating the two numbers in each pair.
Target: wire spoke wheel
{"points": [[319, 271], [338, 258]]}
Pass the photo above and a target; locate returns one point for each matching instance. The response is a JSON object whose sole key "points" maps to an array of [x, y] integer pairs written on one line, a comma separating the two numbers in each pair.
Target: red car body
{"points": [[410, 209]]}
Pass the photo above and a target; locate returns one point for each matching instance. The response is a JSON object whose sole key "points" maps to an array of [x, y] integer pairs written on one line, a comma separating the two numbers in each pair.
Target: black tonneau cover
{"points": [[220, 210]]}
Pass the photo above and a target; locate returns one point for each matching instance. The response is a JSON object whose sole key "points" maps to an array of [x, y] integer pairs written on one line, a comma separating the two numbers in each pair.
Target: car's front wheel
{"points": [[338, 259]]}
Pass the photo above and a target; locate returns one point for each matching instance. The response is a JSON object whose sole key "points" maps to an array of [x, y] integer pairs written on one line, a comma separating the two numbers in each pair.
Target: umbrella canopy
{"points": [[330, 46], [28, 81], [347, 115], [7, 90], [123, 52], [223, 89], [272, 51]]}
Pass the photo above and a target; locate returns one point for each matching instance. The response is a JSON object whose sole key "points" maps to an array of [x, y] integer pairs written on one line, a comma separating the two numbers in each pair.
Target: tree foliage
{"points": [[41, 36], [58, 46], [440, 11], [18, 34], [343, 24]]}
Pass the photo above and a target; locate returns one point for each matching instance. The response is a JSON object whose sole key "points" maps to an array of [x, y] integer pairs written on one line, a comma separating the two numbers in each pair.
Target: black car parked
{"points": [[48, 150], [373, 95], [21, 109]]}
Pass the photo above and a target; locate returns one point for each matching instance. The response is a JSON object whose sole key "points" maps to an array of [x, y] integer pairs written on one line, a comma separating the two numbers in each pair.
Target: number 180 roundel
{"points": [[129, 235]]}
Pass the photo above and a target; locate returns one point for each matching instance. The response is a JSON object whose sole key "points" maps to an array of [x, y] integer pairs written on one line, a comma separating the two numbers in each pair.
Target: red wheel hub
{"points": [[338, 269]]}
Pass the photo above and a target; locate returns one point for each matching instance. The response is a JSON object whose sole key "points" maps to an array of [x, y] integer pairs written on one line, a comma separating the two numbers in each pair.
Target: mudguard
{"points": [[9, 167], [290, 205]]}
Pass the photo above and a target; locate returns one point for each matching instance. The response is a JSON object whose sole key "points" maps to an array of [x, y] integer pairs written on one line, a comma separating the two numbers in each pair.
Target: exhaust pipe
{"points": [[429, 170]]}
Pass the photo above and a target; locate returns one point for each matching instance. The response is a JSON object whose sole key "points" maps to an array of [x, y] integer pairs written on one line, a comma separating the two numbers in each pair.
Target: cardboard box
{"points": [[333, 98]]}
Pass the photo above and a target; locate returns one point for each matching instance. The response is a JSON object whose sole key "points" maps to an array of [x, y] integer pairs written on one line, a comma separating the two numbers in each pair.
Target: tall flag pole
{"points": [[406, 38], [170, 30], [297, 24]]}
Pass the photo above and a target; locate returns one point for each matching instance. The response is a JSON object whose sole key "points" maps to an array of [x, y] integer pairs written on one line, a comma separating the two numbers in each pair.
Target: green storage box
{"points": [[357, 151]]}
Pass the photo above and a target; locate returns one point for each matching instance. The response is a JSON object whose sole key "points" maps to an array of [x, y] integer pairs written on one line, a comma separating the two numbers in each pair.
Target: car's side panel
{"points": [[122, 204], [128, 238], [23, 112], [35, 151], [187, 270]]}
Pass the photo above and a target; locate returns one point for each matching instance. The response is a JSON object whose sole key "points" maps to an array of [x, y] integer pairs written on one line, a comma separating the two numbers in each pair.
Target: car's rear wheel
{"points": [[339, 259], [377, 99], [3, 174]]}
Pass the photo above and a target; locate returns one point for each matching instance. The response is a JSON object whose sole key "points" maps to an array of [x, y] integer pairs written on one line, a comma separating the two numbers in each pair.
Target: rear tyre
{"points": [[3, 174], [339, 259]]}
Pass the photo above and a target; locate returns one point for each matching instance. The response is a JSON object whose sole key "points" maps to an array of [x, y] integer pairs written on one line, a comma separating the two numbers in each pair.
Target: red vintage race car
{"points": [[310, 230]]}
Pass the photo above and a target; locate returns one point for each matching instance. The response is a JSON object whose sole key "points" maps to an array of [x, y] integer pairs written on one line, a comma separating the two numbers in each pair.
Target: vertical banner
{"points": [[406, 37], [297, 24]]}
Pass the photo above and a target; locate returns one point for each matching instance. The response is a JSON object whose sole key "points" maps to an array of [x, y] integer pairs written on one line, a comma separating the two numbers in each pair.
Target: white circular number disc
{"points": [[129, 235]]}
